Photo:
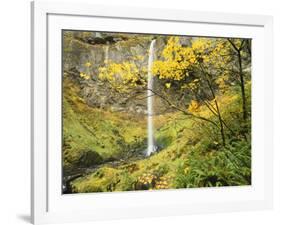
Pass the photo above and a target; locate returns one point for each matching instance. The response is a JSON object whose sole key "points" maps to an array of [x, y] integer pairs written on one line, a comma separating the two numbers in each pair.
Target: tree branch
{"points": [[182, 110]]}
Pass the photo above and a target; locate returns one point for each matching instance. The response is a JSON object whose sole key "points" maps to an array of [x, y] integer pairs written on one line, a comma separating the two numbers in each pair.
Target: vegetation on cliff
{"points": [[202, 117]]}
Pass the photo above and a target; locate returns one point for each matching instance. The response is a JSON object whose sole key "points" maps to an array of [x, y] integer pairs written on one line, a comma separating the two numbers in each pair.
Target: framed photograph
{"points": [[140, 112]]}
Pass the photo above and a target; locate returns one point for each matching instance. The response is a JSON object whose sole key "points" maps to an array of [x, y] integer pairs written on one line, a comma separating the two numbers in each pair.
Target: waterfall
{"points": [[151, 147], [106, 53]]}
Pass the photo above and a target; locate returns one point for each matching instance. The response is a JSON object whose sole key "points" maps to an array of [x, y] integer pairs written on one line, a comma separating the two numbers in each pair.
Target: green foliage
{"points": [[108, 135], [181, 179], [104, 179], [203, 136], [126, 182], [230, 166], [192, 156]]}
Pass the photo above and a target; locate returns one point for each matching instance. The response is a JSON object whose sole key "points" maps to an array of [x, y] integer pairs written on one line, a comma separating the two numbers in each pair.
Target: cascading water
{"points": [[151, 147], [106, 54]]}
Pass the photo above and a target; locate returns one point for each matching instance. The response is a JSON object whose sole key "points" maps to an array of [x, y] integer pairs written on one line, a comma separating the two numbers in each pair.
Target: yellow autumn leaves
{"points": [[178, 59], [175, 64], [122, 75], [85, 76], [168, 85], [146, 178], [87, 64], [153, 182], [163, 183], [193, 106]]}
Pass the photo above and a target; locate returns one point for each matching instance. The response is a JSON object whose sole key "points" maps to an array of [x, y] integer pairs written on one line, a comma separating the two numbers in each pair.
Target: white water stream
{"points": [[151, 147], [106, 54]]}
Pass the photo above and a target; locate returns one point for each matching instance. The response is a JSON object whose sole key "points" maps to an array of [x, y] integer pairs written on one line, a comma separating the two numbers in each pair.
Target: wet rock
{"points": [[89, 158], [110, 39], [97, 50]]}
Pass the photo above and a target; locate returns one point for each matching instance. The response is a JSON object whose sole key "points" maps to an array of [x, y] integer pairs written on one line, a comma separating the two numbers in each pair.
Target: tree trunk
{"points": [[219, 117], [217, 109], [242, 85], [241, 75]]}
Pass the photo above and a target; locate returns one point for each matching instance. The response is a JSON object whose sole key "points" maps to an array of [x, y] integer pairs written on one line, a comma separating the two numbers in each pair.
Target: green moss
{"points": [[108, 134], [191, 153], [102, 180]]}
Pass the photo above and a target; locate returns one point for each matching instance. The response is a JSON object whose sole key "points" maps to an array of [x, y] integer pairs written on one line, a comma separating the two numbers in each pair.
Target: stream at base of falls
{"points": [[81, 172]]}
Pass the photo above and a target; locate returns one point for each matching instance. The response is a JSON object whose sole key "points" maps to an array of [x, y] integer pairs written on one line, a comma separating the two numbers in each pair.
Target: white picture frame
{"points": [[48, 205]]}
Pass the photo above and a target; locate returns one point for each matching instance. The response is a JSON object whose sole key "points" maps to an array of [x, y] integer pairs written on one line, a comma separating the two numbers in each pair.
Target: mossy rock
{"points": [[89, 158], [103, 180]]}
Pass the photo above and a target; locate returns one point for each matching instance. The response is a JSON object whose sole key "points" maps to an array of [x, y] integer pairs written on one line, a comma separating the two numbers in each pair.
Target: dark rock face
{"points": [[98, 48], [96, 41]]}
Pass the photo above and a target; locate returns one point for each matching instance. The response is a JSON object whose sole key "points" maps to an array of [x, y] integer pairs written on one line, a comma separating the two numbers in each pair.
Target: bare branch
{"points": [[184, 111]]}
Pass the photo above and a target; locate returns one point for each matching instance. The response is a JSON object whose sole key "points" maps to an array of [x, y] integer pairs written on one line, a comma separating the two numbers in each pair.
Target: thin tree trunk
{"points": [[242, 85], [216, 104], [213, 110], [241, 75], [248, 45], [218, 112]]}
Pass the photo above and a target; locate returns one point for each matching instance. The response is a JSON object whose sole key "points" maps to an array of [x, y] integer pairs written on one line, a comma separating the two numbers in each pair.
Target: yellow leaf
{"points": [[193, 106], [88, 64], [168, 85]]}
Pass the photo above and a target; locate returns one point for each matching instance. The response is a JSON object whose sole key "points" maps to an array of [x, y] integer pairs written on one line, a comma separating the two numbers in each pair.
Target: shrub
{"points": [[229, 166], [126, 182]]}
